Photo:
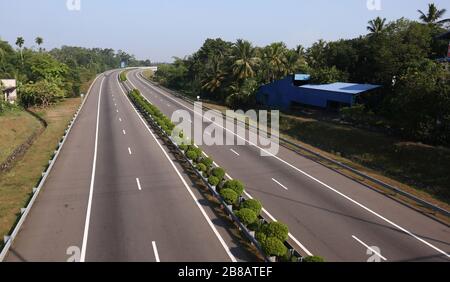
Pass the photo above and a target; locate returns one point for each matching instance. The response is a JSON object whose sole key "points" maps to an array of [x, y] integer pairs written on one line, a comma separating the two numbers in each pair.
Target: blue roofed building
{"points": [[296, 90]]}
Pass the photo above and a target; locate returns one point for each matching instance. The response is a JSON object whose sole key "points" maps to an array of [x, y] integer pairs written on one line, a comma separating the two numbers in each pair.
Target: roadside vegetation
{"points": [[401, 131], [416, 106], [16, 127]]}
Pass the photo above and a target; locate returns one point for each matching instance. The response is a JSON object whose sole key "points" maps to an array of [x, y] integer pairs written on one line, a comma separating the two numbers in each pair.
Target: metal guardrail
{"points": [[394, 189], [228, 208], [8, 240]]}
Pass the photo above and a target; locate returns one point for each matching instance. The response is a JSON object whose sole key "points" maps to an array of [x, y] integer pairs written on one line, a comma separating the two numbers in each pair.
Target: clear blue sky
{"points": [[160, 29]]}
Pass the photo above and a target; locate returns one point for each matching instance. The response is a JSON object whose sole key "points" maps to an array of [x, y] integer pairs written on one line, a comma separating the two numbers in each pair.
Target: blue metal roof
{"points": [[302, 77], [340, 87]]}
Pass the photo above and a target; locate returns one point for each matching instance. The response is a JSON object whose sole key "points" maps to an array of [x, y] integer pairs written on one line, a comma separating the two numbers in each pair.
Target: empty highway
{"points": [[116, 195], [328, 214]]}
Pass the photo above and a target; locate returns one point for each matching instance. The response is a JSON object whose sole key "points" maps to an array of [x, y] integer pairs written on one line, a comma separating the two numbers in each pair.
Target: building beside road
{"points": [[9, 90], [296, 90]]}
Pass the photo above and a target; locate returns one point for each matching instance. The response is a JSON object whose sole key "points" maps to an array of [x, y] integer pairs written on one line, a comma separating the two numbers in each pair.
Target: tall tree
{"points": [[275, 59], [433, 15], [376, 26], [39, 41], [19, 42], [215, 75], [245, 59]]}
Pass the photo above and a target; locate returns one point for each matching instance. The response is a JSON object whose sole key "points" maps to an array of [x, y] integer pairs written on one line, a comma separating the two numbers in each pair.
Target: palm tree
{"points": [[275, 59], [245, 59], [433, 15], [39, 41], [376, 26], [216, 76], [19, 42]]}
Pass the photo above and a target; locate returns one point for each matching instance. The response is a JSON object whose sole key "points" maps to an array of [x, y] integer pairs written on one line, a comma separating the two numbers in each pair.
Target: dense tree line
{"points": [[45, 77], [399, 55]]}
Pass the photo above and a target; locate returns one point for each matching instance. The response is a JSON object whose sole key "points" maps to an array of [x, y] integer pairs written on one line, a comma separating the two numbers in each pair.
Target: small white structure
{"points": [[153, 68], [9, 90]]}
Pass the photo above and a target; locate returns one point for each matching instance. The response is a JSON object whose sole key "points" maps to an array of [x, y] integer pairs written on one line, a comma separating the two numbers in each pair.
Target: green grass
{"points": [[148, 74], [423, 167], [16, 126], [16, 185]]}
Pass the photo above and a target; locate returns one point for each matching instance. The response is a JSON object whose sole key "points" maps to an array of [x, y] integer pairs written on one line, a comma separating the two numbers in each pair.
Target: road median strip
{"points": [[269, 238]]}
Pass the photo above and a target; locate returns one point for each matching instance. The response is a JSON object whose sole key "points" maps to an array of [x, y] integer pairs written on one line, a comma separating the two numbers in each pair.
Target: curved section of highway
{"points": [[115, 195], [328, 214]]}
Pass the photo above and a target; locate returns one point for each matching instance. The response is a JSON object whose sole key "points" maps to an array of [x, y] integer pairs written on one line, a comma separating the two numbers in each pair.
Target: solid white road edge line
{"points": [[91, 189], [155, 251], [369, 248], [315, 179], [277, 182], [222, 242]]}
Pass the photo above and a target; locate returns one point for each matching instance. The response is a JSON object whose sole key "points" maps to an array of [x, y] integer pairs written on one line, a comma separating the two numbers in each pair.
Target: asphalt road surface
{"points": [[116, 195], [328, 214]]}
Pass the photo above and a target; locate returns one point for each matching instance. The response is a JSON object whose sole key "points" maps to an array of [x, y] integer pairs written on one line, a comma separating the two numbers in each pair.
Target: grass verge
{"points": [[16, 185], [16, 126]]}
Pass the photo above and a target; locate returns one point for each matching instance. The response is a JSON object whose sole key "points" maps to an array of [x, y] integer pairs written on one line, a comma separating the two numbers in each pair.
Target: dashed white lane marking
{"points": [[277, 182], [120, 119], [237, 154], [155, 251], [124, 132], [129, 150], [138, 184], [368, 248], [117, 111]]}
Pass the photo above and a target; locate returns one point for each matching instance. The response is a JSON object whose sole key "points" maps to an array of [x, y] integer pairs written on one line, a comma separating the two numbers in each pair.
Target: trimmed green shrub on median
{"points": [[246, 216], [277, 230], [254, 205], [201, 167], [218, 172], [272, 246], [313, 259], [213, 181], [234, 185], [123, 76], [208, 162], [191, 155], [229, 196]]}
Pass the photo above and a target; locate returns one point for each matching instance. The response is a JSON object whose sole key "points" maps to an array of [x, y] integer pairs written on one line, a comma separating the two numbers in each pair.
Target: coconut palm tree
{"points": [[19, 42], [216, 76], [275, 59], [39, 41], [433, 15], [376, 26], [245, 60]]}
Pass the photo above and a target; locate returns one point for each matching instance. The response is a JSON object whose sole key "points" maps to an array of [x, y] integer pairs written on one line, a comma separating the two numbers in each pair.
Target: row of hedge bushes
{"points": [[271, 236], [123, 76]]}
